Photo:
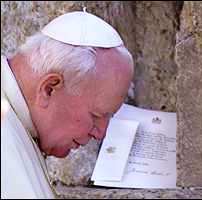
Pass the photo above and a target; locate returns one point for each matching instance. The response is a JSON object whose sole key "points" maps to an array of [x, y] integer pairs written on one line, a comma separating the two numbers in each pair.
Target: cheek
{"points": [[83, 125], [65, 126], [73, 127]]}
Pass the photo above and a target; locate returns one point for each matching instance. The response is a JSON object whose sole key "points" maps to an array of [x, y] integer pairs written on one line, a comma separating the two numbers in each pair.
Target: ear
{"points": [[47, 86]]}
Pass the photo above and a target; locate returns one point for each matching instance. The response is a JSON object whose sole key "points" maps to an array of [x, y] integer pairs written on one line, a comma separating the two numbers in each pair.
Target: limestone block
{"points": [[76, 168], [110, 193], [155, 79], [189, 103]]}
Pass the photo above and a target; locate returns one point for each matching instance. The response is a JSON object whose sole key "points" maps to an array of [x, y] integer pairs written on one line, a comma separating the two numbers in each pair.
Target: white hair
{"points": [[45, 54]]}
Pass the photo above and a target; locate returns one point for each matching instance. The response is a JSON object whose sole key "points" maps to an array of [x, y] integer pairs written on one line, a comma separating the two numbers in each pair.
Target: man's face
{"points": [[70, 121]]}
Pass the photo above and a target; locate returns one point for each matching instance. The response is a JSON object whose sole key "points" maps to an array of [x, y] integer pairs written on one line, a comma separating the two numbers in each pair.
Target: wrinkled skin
{"points": [[65, 121]]}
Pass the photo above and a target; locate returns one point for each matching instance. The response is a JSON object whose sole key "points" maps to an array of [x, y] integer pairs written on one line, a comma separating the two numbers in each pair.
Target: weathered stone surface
{"points": [[189, 87], [155, 80], [77, 167], [103, 193]]}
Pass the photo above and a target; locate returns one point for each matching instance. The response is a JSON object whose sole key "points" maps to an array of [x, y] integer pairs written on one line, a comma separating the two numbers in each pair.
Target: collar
{"points": [[14, 96]]}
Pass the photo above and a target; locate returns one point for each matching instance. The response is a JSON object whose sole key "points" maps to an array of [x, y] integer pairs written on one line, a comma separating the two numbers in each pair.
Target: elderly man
{"points": [[63, 86]]}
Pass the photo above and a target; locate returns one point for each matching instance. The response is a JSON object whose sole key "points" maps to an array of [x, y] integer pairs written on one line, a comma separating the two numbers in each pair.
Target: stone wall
{"points": [[165, 72], [189, 95]]}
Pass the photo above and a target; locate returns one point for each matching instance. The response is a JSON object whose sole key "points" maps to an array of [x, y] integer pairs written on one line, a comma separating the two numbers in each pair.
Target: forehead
{"points": [[112, 62], [113, 76], [107, 102]]}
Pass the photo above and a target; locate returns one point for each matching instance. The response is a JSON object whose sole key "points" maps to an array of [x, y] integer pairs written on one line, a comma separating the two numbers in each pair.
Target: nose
{"points": [[97, 134], [100, 129]]}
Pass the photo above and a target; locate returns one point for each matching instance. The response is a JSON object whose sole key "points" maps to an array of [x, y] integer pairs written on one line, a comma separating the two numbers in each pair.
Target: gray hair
{"points": [[45, 54]]}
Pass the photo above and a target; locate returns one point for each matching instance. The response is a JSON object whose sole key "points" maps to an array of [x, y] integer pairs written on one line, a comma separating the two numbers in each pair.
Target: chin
{"points": [[60, 153]]}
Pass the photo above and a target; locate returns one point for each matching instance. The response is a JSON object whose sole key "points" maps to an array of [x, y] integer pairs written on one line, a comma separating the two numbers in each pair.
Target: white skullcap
{"points": [[84, 29]]}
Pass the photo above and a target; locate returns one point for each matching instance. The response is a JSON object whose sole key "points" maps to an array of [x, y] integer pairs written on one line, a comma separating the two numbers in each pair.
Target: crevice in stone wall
{"points": [[178, 6], [178, 10], [184, 39]]}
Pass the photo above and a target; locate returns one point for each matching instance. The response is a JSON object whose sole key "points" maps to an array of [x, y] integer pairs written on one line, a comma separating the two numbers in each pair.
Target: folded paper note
{"points": [[143, 157]]}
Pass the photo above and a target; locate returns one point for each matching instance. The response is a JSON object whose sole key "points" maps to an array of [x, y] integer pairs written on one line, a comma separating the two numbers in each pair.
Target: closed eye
{"points": [[96, 116], [99, 116]]}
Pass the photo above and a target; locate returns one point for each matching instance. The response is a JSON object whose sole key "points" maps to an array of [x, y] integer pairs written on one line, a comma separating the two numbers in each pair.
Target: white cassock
{"points": [[23, 170]]}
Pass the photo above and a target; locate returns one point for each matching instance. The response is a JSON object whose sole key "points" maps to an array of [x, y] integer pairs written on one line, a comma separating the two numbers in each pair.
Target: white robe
{"points": [[23, 170]]}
